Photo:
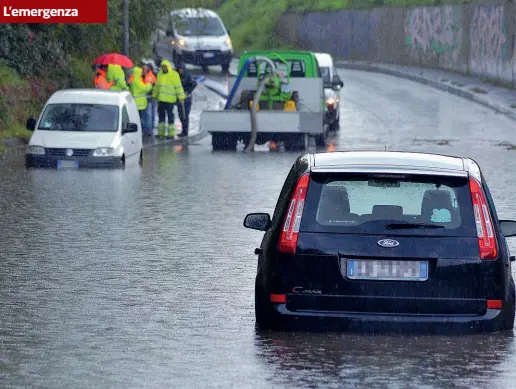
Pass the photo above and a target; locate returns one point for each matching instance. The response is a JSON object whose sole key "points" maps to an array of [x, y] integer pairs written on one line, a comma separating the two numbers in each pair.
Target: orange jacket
{"points": [[149, 77], [101, 81]]}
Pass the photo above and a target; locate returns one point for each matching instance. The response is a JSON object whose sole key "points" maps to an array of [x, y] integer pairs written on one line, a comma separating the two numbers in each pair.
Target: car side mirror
{"points": [[508, 228], [131, 127], [336, 83], [229, 31], [257, 221], [31, 124]]}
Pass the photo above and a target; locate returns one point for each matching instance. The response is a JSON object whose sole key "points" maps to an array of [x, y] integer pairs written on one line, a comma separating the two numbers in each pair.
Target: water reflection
{"points": [[336, 361]]}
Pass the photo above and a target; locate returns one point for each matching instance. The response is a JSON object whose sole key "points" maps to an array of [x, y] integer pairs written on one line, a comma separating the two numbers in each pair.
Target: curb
{"points": [[175, 142], [452, 90]]}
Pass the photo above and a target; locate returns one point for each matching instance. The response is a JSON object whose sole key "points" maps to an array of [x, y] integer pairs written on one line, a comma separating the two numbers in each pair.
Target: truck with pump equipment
{"points": [[291, 105]]}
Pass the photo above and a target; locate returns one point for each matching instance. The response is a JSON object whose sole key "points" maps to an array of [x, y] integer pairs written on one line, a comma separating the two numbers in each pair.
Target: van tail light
{"points": [[289, 234], [484, 223]]}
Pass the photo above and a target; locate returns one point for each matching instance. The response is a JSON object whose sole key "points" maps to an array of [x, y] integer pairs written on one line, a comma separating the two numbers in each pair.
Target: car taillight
{"points": [[288, 239], [483, 221]]}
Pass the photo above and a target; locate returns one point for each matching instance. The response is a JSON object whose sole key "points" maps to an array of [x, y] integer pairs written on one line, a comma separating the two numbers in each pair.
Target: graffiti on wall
{"points": [[434, 32], [489, 42]]}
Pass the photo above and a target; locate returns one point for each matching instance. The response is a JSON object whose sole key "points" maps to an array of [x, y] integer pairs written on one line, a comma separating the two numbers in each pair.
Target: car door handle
{"points": [[258, 251]]}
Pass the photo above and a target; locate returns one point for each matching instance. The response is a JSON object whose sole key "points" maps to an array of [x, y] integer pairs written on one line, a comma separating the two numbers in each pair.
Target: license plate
{"points": [[66, 164], [209, 55], [386, 270]]}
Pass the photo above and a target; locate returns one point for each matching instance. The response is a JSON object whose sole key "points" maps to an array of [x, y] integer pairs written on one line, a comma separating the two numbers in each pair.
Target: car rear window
{"points": [[358, 203]]}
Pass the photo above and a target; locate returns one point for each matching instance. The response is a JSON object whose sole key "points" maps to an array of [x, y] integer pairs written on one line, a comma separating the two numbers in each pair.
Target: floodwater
{"points": [[144, 278]]}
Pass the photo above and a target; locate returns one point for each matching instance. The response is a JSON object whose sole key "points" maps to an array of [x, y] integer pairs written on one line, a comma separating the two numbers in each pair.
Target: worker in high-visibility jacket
{"points": [[101, 81], [152, 109], [116, 75], [169, 92], [139, 91]]}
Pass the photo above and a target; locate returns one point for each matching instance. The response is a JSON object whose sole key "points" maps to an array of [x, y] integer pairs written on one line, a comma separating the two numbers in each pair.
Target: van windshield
{"points": [[199, 26], [80, 117], [413, 205]]}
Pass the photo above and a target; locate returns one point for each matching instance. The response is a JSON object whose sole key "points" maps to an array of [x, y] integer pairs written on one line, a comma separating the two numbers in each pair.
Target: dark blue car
{"points": [[384, 241]]}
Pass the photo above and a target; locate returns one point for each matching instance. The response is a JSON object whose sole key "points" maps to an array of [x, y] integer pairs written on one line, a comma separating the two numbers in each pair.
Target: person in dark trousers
{"points": [[189, 84]]}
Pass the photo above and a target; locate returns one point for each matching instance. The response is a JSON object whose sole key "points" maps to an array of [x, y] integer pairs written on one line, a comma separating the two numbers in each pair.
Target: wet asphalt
{"points": [[144, 278]]}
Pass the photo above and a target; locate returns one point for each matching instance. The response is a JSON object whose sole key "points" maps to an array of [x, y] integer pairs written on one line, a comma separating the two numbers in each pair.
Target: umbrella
{"points": [[114, 59]]}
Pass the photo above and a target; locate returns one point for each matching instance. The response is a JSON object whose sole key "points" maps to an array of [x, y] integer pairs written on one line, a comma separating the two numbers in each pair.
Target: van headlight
{"points": [[227, 42], [104, 152], [36, 150]]}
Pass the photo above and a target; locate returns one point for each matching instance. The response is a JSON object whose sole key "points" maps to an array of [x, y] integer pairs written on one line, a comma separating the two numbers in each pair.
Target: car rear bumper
{"points": [[52, 162], [380, 322], [199, 57]]}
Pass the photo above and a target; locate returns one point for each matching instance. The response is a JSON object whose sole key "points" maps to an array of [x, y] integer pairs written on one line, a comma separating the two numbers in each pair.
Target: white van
{"points": [[197, 36], [86, 128]]}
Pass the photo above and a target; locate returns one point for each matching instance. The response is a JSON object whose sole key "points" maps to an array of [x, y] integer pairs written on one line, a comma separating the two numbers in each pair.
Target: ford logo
{"points": [[69, 152], [388, 243]]}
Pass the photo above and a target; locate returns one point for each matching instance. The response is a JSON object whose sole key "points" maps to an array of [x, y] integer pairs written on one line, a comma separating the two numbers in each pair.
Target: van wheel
{"points": [[122, 162], [141, 158]]}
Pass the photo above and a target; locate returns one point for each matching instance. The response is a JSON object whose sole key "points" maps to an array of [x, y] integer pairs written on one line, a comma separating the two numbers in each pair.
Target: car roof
{"points": [[394, 161], [88, 96], [324, 59], [194, 13]]}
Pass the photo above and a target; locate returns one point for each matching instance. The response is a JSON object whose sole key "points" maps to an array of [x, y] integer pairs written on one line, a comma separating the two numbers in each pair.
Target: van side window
{"points": [[125, 118]]}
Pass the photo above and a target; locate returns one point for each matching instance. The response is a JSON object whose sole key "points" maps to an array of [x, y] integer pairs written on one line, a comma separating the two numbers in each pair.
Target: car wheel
{"points": [[334, 127], [122, 162], [320, 139], [140, 162], [509, 310], [265, 316]]}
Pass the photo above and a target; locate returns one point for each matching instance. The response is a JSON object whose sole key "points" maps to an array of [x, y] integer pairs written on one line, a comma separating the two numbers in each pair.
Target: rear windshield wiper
{"points": [[401, 226]]}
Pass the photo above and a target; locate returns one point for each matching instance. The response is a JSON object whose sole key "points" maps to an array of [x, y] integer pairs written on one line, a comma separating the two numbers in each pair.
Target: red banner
{"points": [[54, 11]]}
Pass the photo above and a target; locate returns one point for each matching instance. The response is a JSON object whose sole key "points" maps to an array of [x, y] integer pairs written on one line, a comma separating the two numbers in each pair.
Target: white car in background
{"points": [[86, 128], [195, 36], [332, 86]]}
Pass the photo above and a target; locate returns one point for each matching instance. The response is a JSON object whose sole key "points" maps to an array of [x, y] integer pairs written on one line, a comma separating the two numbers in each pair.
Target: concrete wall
{"points": [[476, 39]]}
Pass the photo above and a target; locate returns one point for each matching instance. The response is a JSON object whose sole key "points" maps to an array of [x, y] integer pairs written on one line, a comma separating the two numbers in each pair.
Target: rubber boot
{"points": [[161, 130], [171, 131]]}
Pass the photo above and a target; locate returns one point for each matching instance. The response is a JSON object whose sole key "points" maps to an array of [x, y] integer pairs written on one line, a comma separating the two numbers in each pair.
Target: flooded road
{"points": [[144, 278]]}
